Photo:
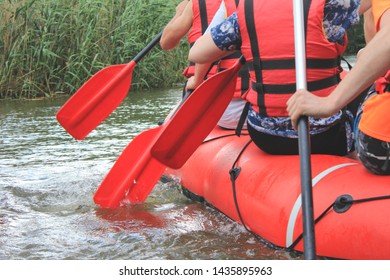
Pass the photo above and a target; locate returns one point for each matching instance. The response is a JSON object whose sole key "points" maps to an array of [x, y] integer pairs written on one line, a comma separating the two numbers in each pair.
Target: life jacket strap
{"points": [[242, 119], [261, 88], [311, 63]]}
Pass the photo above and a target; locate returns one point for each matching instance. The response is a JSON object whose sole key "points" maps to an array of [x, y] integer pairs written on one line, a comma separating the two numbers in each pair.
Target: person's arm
{"points": [[364, 6], [203, 53], [201, 71], [178, 26], [205, 50], [223, 39], [373, 62], [369, 26]]}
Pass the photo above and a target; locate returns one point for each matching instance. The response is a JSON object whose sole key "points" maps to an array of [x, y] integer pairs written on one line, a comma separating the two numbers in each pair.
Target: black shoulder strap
{"points": [[203, 15], [237, 2], [346, 61], [306, 9], [250, 23]]}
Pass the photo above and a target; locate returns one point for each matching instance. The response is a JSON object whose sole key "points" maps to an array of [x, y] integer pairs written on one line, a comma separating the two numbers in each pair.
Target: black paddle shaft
{"points": [[307, 193], [301, 9], [148, 47]]}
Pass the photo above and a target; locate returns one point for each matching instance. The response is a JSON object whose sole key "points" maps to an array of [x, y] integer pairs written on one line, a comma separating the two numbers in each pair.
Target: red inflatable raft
{"points": [[351, 205]]}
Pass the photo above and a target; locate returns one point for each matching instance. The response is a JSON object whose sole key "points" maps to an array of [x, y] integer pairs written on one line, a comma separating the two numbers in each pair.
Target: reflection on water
{"points": [[47, 181]]}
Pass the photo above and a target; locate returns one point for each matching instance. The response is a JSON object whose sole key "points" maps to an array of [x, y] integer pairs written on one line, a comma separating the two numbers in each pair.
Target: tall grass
{"points": [[50, 47], [356, 39]]}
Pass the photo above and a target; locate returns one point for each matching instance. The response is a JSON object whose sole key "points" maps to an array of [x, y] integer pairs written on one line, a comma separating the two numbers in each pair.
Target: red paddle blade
{"points": [[134, 173], [196, 118], [95, 100]]}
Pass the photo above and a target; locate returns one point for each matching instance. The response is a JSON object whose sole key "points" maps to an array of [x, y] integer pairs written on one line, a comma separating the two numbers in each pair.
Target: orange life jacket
{"points": [[375, 117], [267, 33], [203, 12], [378, 8], [374, 121], [242, 84]]}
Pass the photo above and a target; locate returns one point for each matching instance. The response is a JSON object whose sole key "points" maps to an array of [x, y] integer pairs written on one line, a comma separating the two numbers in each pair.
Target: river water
{"points": [[47, 182]]}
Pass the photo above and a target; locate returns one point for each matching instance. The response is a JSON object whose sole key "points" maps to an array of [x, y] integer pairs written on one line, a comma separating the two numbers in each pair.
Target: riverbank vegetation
{"points": [[51, 47]]}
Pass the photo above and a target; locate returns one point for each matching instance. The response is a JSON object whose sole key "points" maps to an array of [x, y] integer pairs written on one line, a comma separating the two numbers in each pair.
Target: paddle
{"points": [[196, 118], [134, 173], [304, 136], [99, 96]]}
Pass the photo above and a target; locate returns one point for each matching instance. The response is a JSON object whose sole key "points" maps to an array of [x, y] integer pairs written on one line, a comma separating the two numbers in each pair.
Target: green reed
{"points": [[50, 47]]}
